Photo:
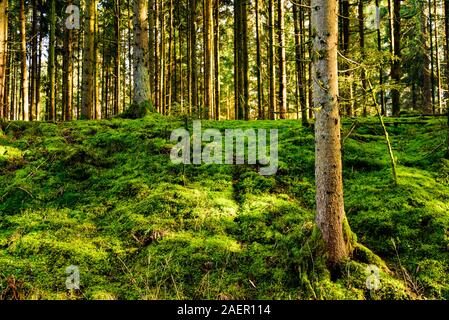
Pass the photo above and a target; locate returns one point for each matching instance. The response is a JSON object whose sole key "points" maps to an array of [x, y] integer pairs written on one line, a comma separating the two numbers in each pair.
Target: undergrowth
{"points": [[105, 197]]}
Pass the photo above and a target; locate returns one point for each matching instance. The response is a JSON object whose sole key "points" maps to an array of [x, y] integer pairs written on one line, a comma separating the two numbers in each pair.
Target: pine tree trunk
{"points": [[362, 53], [446, 27], [437, 58], [34, 52], [217, 58], [426, 72], [272, 66], [328, 165], [23, 63], [260, 106], [3, 58], [88, 84], [209, 58], [193, 59], [117, 69], [68, 74], [299, 64], [282, 61], [396, 72], [141, 52]]}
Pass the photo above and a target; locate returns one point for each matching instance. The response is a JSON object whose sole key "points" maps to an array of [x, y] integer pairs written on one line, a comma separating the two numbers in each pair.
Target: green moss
{"points": [[103, 195]]}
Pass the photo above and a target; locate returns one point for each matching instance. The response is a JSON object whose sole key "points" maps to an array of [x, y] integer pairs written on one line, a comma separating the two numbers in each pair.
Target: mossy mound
{"points": [[104, 196]]}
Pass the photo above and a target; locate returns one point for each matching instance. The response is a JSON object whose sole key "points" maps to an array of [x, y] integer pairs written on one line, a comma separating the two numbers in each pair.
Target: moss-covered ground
{"points": [[105, 197]]}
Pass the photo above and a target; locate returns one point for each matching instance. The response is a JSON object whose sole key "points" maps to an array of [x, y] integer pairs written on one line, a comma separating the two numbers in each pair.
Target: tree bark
{"points": [[117, 69], [141, 52], [68, 74], [88, 84], [328, 165], [23, 63], [282, 61], [299, 51], [260, 105], [396, 73], [209, 58], [3, 58], [272, 66]]}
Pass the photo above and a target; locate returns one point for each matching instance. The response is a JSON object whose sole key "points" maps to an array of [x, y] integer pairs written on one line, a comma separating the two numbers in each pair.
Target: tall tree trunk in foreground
{"points": [[87, 98], [328, 165], [141, 52], [23, 63], [3, 57]]}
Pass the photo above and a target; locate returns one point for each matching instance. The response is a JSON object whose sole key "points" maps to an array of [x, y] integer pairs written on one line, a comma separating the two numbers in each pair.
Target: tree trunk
{"points": [[446, 26], [117, 69], [209, 58], [3, 58], [193, 82], [217, 58], [141, 51], [88, 86], [396, 72], [282, 62], [68, 74], [328, 165], [272, 66], [437, 57], [426, 72], [299, 46], [23, 63], [260, 105]]}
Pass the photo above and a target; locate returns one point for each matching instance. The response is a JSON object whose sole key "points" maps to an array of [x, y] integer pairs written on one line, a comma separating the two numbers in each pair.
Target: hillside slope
{"points": [[105, 197]]}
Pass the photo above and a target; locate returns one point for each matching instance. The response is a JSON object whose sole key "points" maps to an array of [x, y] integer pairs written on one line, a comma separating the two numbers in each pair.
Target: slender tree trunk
{"points": [[34, 52], [260, 106], [272, 66], [346, 94], [310, 69], [170, 60], [446, 26], [426, 72], [328, 165], [396, 72], [68, 74], [23, 63], [282, 61], [3, 58], [217, 58], [117, 69], [88, 86], [141, 52], [363, 55], [209, 58], [193, 58], [299, 64], [379, 49], [437, 57]]}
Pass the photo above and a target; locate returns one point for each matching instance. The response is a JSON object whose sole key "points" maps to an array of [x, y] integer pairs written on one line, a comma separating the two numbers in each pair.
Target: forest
{"points": [[110, 111]]}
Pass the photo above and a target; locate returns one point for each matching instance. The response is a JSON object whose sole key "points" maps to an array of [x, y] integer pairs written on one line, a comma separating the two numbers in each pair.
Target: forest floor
{"points": [[105, 197]]}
